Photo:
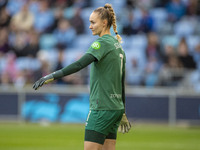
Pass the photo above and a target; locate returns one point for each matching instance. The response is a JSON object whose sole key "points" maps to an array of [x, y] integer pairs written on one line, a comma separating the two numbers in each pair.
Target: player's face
{"points": [[96, 24]]}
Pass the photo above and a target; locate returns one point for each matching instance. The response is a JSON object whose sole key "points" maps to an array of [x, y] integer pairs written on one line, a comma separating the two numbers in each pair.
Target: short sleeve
{"points": [[98, 49]]}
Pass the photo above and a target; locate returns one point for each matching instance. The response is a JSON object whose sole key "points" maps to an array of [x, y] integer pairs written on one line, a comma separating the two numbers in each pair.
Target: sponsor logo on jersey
{"points": [[117, 45], [115, 96], [96, 45]]}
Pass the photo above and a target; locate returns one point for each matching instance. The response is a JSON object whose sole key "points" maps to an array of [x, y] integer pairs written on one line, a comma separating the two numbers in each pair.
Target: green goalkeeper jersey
{"points": [[106, 74]]}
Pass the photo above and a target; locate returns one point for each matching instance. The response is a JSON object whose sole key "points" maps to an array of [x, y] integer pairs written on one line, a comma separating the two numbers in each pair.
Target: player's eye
{"points": [[92, 22]]}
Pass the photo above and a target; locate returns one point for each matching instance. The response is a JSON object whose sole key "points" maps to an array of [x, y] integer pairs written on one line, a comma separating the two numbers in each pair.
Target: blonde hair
{"points": [[107, 12]]}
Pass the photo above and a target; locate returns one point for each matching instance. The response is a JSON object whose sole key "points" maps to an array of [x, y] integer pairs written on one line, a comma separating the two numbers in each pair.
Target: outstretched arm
{"points": [[83, 62]]}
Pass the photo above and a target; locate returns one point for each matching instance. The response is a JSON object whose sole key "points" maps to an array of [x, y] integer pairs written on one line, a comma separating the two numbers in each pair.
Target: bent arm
{"points": [[123, 89]]}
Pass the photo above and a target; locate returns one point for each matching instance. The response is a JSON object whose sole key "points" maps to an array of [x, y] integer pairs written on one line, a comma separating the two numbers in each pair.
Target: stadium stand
{"points": [[135, 23]]}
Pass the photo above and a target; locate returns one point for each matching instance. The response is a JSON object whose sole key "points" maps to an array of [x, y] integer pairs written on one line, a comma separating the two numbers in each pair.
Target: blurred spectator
{"points": [[14, 6], [131, 3], [195, 80], [59, 3], [19, 44], [159, 3], [79, 3], [34, 6], [44, 68], [4, 45], [77, 22], [53, 22], [4, 18], [80, 77], [65, 33], [176, 10], [59, 64], [153, 47], [147, 4], [9, 71], [192, 7], [146, 23], [134, 75], [44, 18], [129, 26], [172, 71], [32, 47], [151, 71], [22, 78], [185, 58], [3, 3], [58, 15], [23, 20], [196, 55]]}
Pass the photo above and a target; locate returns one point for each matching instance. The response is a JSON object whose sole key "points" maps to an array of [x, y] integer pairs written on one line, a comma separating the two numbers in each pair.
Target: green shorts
{"points": [[102, 124]]}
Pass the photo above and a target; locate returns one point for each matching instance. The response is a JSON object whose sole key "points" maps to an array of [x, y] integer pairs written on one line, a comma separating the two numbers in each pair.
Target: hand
{"points": [[125, 125], [43, 80]]}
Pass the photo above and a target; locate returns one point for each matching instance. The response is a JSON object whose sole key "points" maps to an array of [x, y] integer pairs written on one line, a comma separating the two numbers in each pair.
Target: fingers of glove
{"points": [[126, 128], [36, 85], [41, 82], [129, 125], [120, 129]]}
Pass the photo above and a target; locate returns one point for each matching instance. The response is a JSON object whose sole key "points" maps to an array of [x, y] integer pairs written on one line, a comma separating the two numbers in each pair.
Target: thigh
{"points": [[92, 146], [109, 144]]}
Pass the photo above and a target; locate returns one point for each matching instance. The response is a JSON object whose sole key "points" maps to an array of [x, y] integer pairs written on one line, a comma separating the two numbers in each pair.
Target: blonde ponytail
{"points": [[107, 12], [113, 20]]}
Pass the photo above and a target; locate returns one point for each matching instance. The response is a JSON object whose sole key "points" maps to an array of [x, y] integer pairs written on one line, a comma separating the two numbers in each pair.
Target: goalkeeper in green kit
{"points": [[107, 87]]}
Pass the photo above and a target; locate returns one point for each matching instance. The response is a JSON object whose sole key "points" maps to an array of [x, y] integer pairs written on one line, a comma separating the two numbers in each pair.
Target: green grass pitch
{"points": [[22, 136]]}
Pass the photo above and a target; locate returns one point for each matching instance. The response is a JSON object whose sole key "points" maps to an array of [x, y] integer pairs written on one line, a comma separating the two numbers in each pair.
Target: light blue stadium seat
{"points": [[184, 28], [85, 14], [135, 74], [138, 54], [192, 41], [69, 12], [138, 42], [160, 16], [3, 61], [47, 41], [171, 40], [137, 13], [165, 28], [126, 42], [26, 63], [71, 56], [84, 41], [100, 3]]}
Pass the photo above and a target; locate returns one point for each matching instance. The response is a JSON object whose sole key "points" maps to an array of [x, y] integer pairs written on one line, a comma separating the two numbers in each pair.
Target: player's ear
{"points": [[105, 23]]}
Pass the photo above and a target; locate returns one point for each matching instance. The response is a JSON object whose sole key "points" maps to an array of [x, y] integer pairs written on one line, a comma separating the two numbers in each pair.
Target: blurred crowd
{"points": [[161, 40]]}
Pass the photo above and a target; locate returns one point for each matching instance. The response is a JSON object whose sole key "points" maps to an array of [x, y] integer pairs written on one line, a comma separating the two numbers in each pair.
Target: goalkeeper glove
{"points": [[125, 125], [44, 80]]}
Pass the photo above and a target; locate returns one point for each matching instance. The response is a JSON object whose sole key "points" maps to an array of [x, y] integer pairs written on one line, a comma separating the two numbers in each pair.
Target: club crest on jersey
{"points": [[96, 45]]}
